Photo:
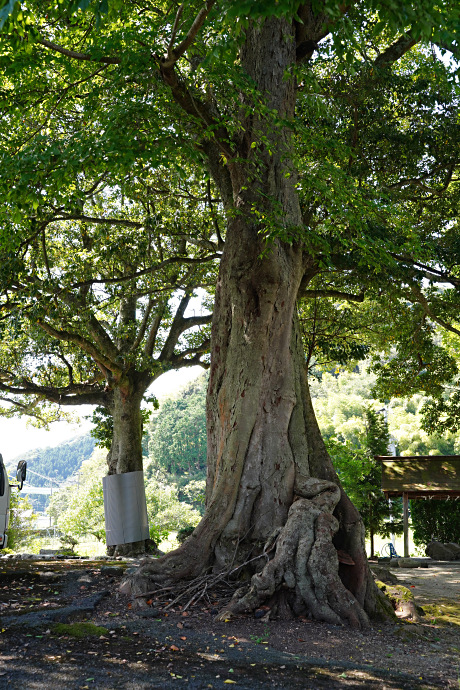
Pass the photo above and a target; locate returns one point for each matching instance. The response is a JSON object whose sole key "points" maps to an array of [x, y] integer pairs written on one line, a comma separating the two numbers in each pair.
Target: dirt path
{"points": [[42, 606], [440, 581]]}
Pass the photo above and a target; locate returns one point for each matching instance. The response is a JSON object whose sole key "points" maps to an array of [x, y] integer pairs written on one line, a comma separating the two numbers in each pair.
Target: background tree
{"points": [[78, 509], [310, 175], [376, 509], [90, 317], [340, 401], [435, 520], [21, 522]]}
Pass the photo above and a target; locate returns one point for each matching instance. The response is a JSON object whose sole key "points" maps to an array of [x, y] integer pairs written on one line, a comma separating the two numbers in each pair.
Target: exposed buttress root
{"points": [[306, 563], [303, 575]]}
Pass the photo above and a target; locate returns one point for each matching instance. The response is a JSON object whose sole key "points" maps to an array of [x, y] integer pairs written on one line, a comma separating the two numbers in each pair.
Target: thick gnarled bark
{"points": [[306, 562], [271, 490]]}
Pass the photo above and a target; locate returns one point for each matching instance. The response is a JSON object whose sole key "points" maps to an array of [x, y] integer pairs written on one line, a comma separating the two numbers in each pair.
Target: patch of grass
{"points": [[79, 630], [444, 612], [261, 639]]}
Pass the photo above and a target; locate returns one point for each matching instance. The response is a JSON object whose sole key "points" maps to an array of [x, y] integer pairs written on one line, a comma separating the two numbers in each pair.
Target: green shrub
{"points": [[437, 520]]}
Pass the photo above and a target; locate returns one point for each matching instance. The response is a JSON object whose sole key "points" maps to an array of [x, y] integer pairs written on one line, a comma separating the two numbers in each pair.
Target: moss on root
{"points": [[384, 607], [80, 630], [402, 601], [396, 593]]}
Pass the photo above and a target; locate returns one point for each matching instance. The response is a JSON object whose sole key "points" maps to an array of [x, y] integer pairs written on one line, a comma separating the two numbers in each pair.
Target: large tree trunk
{"points": [[271, 490], [126, 449], [125, 453]]}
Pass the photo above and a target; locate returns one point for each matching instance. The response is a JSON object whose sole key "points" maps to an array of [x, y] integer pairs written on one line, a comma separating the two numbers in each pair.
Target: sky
{"points": [[17, 436]]}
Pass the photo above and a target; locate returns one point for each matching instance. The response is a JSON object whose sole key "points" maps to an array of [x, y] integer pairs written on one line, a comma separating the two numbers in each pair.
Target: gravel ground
{"points": [[148, 649]]}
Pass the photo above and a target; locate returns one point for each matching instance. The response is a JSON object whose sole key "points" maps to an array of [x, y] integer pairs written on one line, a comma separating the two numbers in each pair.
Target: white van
{"points": [[5, 494]]}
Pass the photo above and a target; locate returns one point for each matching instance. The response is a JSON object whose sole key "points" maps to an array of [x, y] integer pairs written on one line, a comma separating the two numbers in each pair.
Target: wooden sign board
{"points": [[420, 474]]}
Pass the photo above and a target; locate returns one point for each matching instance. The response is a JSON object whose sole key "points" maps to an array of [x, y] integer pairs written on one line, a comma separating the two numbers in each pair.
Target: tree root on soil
{"points": [[306, 562], [303, 574]]}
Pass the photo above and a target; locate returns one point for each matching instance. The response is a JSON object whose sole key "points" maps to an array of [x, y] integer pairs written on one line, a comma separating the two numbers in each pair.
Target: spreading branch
{"points": [[419, 182], [397, 49], [85, 345], [420, 297], [333, 293], [153, 332], [184, 360], [77, 55], [145, 271], [174, 54], [70, 395]]}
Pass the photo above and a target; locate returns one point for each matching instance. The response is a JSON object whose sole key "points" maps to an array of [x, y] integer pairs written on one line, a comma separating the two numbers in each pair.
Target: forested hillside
{"points": [[177, 432], [58, 463], [340, 401], [177, 442], [346, 410]]}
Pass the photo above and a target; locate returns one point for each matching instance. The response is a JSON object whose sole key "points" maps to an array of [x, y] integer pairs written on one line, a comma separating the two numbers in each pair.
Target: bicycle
{"points": [[388, 550]]}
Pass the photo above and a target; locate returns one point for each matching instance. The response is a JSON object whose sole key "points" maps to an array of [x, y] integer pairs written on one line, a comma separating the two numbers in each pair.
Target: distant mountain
{"points": [[58, 463]]}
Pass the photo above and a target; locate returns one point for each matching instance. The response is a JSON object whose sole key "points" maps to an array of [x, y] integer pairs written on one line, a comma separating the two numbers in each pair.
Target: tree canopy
{"points": [[326, 137], [376, 171]]}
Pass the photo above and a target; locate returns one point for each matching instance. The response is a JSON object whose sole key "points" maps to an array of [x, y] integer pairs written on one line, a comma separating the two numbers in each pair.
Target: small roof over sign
{"points": [[421, 475]]}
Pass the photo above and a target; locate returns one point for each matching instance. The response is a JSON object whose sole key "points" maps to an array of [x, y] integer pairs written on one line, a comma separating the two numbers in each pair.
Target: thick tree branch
{"points": [[175, 53], [418, 181], [84, 344], [312, 28], [195, 107], [103, 340], [333, 293], [145, 271], [179, 325], [176, 358], [183, 360], [71, 395], [220, 241], [192, 321], [429, 311], [67, 365], [175, 330], [45, 253], [397, 49], [26, 409], [143, 325], [76, 55], [432, 274], [206, 244], [153, 332], [99, 221]]}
